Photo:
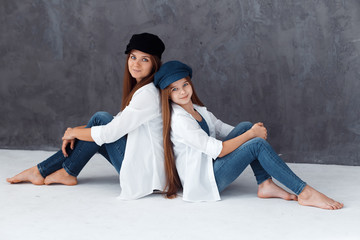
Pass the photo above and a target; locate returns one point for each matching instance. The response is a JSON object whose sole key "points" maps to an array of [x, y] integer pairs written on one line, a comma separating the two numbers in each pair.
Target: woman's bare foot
{"points": [[310, 197], [62, 177], [269, 189], [29, 175]]}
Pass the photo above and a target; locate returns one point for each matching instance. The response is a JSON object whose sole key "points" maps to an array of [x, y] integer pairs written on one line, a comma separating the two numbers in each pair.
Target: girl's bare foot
{"points": [[62, 177], [269, 189], [310, 197], [29, 175]]}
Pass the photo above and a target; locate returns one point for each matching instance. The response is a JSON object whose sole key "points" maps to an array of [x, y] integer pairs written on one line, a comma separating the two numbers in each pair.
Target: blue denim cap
{"points": [[170, 72]]}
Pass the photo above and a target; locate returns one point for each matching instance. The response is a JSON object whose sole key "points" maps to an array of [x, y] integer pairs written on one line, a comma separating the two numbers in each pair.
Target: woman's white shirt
{"points": [[142, 169], [194, 152]]}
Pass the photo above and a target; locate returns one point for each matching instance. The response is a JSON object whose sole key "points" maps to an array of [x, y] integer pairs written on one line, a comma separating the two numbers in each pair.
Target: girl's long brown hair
{"points": [[130, 86], [173, 183]]}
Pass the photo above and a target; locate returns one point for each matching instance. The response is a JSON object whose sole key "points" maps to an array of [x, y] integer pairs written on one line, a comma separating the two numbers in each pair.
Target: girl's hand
{"points": [[65, 143], [259, 130]]}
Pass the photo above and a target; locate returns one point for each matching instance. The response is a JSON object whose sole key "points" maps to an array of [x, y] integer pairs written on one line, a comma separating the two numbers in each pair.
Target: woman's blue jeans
{"points": [[263, 160], [83, 151]]}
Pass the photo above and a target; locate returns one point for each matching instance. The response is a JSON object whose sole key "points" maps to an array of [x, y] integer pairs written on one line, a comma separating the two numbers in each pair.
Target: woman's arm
{"points": [[257, 130], [71, 142], [143, 107], [83, 134]]}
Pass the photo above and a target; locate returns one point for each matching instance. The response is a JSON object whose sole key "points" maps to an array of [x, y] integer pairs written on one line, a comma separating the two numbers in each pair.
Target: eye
{"points": [[185, 84], [132, 57], [145, 60], [174, 89]]}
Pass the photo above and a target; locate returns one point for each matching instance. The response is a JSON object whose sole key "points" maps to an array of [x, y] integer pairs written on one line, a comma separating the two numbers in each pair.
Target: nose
{"points": [[182, 91], [137, 62]]}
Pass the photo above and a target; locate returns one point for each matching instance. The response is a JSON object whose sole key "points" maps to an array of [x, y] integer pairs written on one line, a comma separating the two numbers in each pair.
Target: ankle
{"points": [[306, 192], [265, 183], [64, 173]]}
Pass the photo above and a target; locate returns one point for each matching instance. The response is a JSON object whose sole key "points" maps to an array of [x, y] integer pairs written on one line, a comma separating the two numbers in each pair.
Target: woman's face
{"points": [[140, 65], [181, 92]]}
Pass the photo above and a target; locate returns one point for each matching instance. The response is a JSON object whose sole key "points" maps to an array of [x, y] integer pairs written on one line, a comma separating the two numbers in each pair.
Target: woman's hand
{"points": [[258, 130], [65, 143], [69, 134], [68, 138]]}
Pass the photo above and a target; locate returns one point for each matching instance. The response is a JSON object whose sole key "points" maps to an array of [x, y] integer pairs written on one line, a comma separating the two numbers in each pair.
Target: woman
{"points": [[210, 154], [119, 138]]}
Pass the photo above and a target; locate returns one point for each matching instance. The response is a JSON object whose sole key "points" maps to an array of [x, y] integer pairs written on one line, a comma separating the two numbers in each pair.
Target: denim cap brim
{"points": [[171, 72]]}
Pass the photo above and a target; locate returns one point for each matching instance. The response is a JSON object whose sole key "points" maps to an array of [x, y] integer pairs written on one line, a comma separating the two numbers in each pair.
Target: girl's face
{"points": [[140, 65], [181, 92]]}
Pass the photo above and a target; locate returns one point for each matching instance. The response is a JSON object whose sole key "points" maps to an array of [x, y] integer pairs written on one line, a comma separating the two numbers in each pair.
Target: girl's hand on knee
{"points": [[259, 130]]}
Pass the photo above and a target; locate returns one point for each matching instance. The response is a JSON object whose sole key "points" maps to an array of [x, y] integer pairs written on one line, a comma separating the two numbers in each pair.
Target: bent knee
{"points": [[248, 124], [258, 140], [102, 118], [245, 125]]}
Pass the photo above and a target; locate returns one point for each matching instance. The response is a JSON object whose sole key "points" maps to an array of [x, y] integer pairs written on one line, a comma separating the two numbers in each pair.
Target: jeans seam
{"points": [[287, 170]]}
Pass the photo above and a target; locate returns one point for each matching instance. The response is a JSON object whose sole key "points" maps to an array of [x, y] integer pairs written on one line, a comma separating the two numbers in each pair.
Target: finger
{"points": [[63, 149], [72, 145]]}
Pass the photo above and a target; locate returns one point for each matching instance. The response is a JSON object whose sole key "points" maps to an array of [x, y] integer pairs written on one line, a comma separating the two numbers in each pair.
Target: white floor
{"points": [[90, 210]]}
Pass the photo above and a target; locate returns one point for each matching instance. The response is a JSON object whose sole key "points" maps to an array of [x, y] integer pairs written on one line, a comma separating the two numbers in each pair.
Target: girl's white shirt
{"points": [[194, 152], [142, 169]]}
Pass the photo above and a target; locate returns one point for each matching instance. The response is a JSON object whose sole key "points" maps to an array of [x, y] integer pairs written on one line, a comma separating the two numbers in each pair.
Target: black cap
{"points": [[146, 42]]}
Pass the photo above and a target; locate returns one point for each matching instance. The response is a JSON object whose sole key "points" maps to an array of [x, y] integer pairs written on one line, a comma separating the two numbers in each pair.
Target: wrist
{"points": [[73, 133], [251, 133]]}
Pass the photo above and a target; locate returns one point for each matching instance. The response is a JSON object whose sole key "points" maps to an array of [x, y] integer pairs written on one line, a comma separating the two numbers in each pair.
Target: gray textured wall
{"points": [[292, 64]]}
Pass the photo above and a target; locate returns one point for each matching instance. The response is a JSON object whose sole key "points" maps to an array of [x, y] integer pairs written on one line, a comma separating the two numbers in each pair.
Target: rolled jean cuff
{"points": [[41, 171], [69, 171], [300, 188]]}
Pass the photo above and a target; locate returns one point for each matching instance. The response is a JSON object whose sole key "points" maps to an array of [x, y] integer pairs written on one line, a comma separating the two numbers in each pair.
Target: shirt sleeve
{"points": [[222, 129], [186, 130], [143, 107]]}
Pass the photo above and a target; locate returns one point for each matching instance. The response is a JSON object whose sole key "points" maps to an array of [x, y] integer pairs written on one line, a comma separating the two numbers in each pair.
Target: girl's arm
{"points": [[257, 130], [222, 129]]}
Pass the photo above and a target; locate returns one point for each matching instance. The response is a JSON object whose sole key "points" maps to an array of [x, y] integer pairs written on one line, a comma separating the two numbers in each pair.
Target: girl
{"points": [[130, 141], [206, 165]]}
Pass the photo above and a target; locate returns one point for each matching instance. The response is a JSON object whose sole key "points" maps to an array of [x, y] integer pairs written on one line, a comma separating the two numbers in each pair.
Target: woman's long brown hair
{"points": [[173, 183], [130, 86]]}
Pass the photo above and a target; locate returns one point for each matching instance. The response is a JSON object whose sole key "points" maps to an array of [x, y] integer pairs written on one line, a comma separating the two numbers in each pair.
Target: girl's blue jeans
{"points": [[83, 151], [263, 160]]}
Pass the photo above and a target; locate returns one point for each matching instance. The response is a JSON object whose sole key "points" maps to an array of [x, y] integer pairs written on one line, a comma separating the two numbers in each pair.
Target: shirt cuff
{"points": [[214, 147], [95, 134]]}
